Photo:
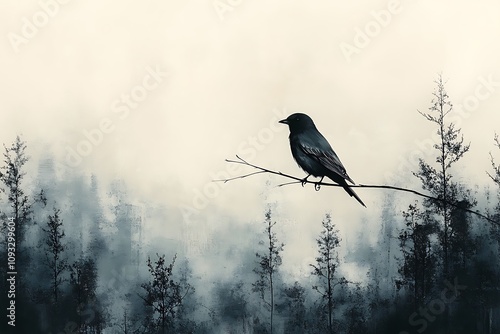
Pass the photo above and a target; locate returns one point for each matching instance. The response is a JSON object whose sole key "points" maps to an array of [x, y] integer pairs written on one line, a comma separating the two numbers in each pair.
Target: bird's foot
{"points": [[317, 185], [304, 180]]}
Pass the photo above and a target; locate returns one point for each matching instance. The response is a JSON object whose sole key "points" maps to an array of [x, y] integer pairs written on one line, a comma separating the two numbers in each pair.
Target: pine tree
{"points": [[418, 263], [91, 314], [12, 176], [268, 265], [163, 295], [326, 267], [487, 269], [495, 177], [55, 248], [19, 209], [438, 180]]}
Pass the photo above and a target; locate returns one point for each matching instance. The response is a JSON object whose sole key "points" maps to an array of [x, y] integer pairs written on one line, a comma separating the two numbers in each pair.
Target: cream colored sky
{"points": [[229, 78]]}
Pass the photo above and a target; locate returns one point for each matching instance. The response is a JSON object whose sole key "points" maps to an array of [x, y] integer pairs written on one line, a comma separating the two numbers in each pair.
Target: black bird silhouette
{"points": [[313, 153]]}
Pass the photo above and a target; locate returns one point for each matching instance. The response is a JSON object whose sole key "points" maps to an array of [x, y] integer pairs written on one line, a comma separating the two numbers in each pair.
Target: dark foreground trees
{"points": [[18, 202], [164, 296], [418, 259]]}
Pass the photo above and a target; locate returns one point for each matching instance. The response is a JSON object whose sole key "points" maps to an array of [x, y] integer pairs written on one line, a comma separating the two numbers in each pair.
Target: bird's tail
{"points": [[353, 194]]}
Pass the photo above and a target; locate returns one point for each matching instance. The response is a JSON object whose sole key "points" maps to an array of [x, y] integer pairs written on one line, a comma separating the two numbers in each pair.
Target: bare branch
{"points": [[429, 117], [318, 184], [497, 140], [240, 177], [288, 183]]}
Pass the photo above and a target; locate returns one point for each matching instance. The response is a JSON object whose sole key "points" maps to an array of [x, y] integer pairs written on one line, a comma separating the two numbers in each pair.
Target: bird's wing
{"points": [[328, 158]]}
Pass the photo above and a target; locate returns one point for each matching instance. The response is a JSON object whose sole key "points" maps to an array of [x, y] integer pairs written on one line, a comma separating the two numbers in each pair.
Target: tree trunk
{"points": [[272, 299], [330, 303]]}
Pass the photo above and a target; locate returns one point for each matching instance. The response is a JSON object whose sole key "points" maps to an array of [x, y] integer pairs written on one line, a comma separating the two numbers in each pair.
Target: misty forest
{"points": [[84, 266]]}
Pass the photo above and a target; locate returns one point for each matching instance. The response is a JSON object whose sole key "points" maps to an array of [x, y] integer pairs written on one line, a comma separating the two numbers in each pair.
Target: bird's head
{"points": [[298, 122]]}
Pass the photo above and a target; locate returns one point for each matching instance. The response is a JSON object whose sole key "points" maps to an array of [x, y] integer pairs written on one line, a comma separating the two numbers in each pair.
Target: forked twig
{"points": [[318, 184]]}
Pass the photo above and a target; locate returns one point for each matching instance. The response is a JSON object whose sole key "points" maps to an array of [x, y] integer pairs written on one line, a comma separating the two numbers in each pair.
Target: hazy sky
{"points": [[175, 87]]}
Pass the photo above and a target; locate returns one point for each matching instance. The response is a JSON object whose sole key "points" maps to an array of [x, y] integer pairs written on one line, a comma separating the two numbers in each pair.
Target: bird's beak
{"points": [[283, 121]]}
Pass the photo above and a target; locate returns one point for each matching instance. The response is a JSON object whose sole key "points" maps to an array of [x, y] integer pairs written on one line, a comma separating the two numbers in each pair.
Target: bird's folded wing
{"points": [[328, 159]]}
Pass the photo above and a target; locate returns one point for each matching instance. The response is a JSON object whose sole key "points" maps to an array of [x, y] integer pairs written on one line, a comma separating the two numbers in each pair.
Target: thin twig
{"points": [[241, 177], [318, 184], [288, 183]]}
